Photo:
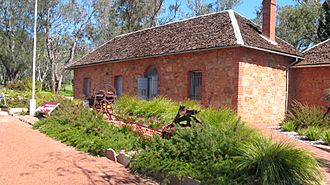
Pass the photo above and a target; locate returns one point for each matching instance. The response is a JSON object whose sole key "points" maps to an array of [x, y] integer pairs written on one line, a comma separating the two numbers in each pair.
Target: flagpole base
{"points": [[33, 105]]}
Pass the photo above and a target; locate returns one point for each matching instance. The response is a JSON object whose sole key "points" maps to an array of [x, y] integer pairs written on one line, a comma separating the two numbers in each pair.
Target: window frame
{"points": [[195, 79], [88, 80]]}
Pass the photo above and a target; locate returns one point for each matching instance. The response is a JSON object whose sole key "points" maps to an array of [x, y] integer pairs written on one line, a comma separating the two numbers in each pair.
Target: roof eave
{"points": [[183, 52]]}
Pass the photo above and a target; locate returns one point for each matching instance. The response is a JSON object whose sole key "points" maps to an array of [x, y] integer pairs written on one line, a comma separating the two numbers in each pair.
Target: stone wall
{"points": [[307, 84], [218, 67], [262, 86], [249, 81]]}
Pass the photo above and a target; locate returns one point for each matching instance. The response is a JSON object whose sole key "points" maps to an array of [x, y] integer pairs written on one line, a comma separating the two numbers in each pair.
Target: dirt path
{"points": [[31, 158], [321, 154]]}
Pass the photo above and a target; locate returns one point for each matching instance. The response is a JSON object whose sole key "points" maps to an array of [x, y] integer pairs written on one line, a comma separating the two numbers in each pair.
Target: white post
{"points": [[33, 101]]}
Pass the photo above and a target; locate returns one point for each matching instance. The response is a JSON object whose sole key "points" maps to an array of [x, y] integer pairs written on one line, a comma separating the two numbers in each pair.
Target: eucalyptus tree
{"points": [[64, 27], [15, 38], [323, 30], [298, 24]]}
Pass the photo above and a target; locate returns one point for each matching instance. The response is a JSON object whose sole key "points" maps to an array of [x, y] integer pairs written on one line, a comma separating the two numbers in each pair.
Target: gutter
{"points": [[287, 70], [183, 52], [311, 65]]}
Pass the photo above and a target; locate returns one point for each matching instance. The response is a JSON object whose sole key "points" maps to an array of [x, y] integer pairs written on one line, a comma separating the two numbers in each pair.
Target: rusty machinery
{"points": [[102, 100]]}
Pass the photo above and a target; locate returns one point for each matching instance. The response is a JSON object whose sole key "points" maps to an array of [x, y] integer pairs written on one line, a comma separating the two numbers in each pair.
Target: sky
{"points": [[248, 8]]}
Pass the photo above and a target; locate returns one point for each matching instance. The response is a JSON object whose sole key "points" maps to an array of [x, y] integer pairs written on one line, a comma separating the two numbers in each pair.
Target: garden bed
{"points": [[221, 151], [321, 144]]}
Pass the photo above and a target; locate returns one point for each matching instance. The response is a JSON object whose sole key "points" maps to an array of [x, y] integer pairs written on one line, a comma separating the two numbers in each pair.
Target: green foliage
{"points": [[323, 30], [20, 99], [313, 133], [298, 24], [303, 116], [204, 153], [67, 90], [288, 126], [326, 137], [24, 84], [279, 163], [85, 130], [155, 113]]}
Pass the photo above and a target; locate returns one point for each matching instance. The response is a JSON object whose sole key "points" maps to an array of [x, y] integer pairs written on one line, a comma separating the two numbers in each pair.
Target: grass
{"points": [[67, 90], [289, 126], [326, 137], [278, 163]]}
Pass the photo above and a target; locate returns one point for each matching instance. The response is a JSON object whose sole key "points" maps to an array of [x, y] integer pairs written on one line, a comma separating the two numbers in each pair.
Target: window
{"points": [[148, 85], [195, 90], [86, 87], [119, 85]]}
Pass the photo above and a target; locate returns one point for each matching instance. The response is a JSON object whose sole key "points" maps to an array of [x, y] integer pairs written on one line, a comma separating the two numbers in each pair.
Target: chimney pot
{"points": [[269, 19]]}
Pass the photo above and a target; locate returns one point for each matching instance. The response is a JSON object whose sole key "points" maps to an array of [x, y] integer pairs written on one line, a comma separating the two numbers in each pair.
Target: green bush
{"points": [[303, 116], [85, 130], [313, 133], [154, 113], [326, 137], [20, 99], [204, 153], [24, 84], [279, 163], [288, 126]]}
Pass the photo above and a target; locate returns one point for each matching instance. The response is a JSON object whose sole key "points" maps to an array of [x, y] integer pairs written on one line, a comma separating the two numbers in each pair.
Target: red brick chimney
{"points": [[269, 18]]}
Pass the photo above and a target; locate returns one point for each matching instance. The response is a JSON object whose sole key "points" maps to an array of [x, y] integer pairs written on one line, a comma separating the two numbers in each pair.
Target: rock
{"points": [[123, 158], [111, 154], [190, 181]]}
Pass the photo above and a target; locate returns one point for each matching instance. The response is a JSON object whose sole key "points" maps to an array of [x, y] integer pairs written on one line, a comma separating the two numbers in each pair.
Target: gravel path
{"points": [[31, 158]]}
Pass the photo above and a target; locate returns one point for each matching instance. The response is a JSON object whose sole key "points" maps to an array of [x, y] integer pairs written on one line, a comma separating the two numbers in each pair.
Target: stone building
{"points": [[219, 59], [309, 78]]}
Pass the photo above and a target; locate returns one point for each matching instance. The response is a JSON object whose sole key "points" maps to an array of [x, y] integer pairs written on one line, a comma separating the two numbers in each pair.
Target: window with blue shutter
{"points": [[143, 88]]}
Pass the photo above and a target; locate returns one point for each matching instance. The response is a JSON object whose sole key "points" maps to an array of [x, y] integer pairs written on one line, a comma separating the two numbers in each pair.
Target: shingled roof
{"points": [[316, 55], [216, 30]]}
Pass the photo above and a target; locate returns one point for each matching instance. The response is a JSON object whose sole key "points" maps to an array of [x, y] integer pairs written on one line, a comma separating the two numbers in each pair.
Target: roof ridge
{"points": [[182, 20], [255, 24], [316, 45], [237, 30]]}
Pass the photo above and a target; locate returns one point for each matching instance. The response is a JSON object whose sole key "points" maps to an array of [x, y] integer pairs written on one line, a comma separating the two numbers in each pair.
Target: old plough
{"points": [[102, 101]]}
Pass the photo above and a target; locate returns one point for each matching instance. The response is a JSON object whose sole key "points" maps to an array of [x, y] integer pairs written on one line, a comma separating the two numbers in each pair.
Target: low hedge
{"points": [[84, 129]]}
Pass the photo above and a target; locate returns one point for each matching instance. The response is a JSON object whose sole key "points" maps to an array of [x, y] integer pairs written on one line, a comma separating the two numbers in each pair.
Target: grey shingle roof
{"points": [[317, 55], [214, 30]]}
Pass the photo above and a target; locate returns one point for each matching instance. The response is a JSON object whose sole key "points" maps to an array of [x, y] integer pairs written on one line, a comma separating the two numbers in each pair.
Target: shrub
{"points": [[303, 116], [278, 163], [155, 113], [288, 126], [313, 133], [85, 129], [24, 84], [326, 137], [204, 153]]}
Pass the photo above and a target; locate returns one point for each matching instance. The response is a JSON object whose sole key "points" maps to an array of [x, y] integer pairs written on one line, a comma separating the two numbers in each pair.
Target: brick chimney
{"points": [[269, 19]]}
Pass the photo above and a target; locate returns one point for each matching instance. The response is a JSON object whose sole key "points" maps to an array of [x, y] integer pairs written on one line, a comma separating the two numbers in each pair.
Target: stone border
{"points": [[294, 135]]}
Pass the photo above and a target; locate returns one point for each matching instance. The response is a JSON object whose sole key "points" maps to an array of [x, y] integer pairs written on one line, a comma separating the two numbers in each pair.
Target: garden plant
{"points": [[221, 151]]}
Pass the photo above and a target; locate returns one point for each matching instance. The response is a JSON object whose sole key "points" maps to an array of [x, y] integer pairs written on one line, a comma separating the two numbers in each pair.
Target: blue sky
{"points": [[247, 7]]}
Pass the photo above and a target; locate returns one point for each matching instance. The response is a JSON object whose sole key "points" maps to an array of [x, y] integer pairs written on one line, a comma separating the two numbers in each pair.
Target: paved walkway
{"points": [[31, 158], [321, 154]]}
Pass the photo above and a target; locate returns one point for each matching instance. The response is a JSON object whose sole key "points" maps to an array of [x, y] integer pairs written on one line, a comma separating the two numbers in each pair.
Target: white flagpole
{"points": [[33, 101]]}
